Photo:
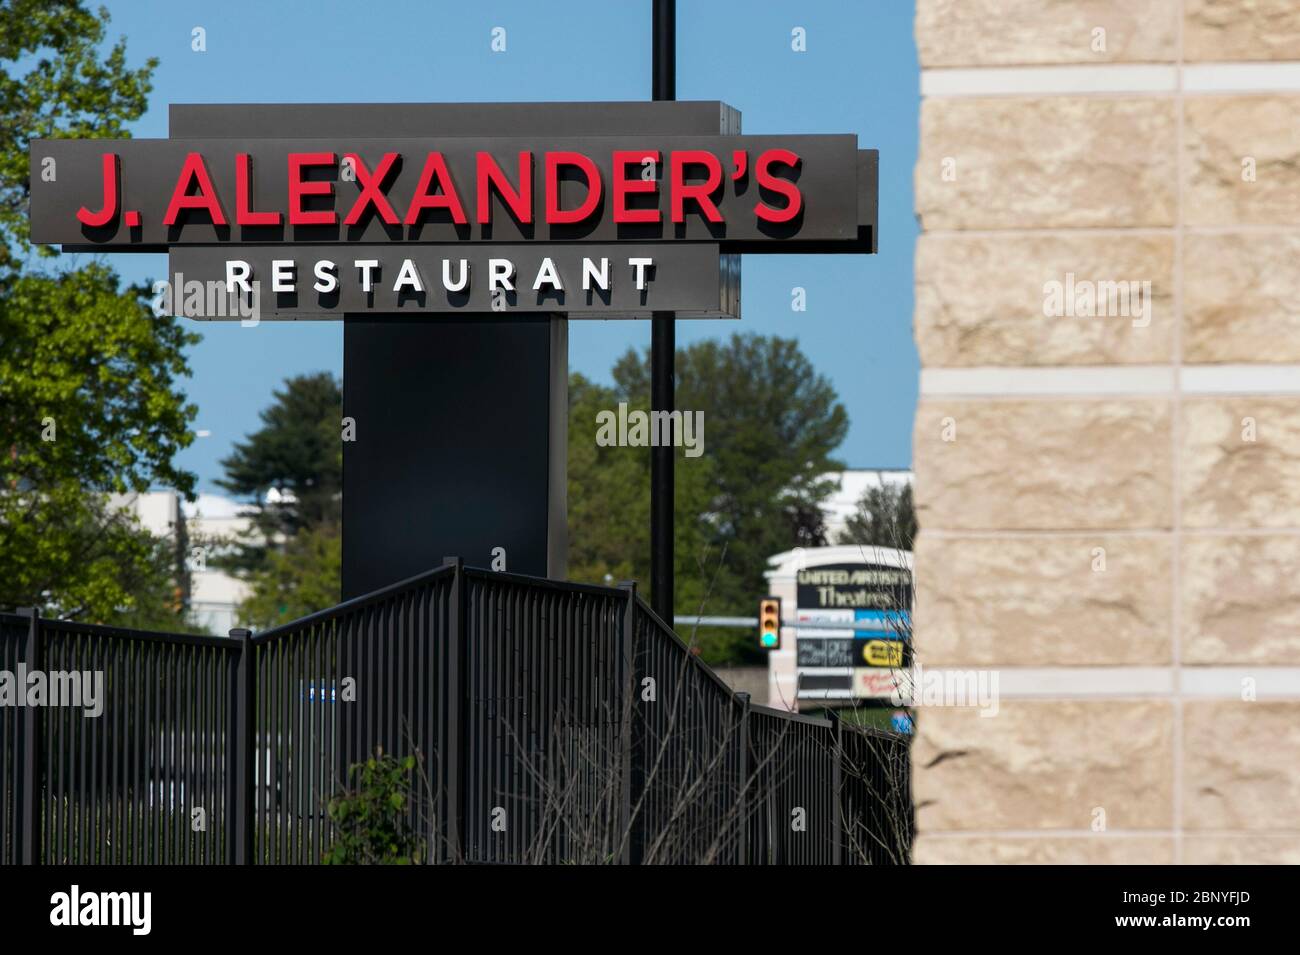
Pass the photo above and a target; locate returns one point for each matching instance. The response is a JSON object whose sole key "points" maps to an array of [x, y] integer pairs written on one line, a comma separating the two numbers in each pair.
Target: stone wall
{"points": [[1110, 501]]}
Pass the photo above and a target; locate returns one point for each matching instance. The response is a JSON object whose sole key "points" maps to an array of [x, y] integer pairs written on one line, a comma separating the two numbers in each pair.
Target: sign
{"points": [[324, 210], [871, 683], [854, 586], [865, 661], [830, 651], [745, 192], [881, 653], [608, 281]]}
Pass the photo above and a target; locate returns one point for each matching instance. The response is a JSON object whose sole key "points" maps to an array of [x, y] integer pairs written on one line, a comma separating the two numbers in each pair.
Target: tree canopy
{"points": [[55, 83], [771, 424], [884, 518], [297, 452], [90, 397], [292, 559]]}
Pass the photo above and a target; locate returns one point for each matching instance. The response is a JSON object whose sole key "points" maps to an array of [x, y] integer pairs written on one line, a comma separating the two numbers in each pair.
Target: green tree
{"points": [[80, 557], [298, 579], [770, 426], [55, 84], [884, 518], [298, 452], [89, 395], [90, 405], [609, 504]]}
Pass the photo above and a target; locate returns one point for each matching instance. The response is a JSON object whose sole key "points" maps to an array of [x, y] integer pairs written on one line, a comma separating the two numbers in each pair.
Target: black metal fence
{"points": [[551, 722]]}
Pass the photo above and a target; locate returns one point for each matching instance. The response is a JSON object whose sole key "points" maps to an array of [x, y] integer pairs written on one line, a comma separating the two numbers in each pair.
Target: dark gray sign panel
{"points": [[452, 451], [325, 281], [414, 120]]}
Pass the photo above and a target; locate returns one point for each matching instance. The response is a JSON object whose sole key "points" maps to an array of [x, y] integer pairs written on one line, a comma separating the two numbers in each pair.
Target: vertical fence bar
{"points": [[837, 756], [457, 725], [241, 751], [742, 795], [632, 769], [30, 793]]}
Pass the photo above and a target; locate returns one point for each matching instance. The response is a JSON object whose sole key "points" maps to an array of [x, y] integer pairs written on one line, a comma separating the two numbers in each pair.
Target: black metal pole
{"points": [[663, 348]]}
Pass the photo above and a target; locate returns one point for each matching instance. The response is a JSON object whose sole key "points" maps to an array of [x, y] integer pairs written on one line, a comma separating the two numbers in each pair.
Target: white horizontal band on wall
{"points": [[1111, 380], [1019, 80], [1066, 683], [1058, 683], [1241, 77], [1241, 379], [1190, 835], [1073, 380], [1113, 78], [1227, 682]]}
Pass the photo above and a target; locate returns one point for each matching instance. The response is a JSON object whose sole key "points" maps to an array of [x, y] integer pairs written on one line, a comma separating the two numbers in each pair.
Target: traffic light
{"points": [[769, 623]]}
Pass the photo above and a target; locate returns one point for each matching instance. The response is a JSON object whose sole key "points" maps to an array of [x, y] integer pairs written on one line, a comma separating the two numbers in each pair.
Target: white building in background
{"points": [[855, 482], [212, 523], [206, 527]]}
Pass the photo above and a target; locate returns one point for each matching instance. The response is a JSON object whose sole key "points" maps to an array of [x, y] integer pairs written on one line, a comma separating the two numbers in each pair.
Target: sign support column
{"points": [[663, 351]]}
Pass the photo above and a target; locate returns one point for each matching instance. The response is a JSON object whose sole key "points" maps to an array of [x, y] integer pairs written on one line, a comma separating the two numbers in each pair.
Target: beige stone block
{"points": [[993, 300], [1057, 162], [1241, 600], [1241, 764], [1241, 30], [1043, 465], [1090, 849], [1043, 601], [1239, 297], [1005, 32], [1241, 849], [1223, 132], [1044, 765], [1229, 479]]}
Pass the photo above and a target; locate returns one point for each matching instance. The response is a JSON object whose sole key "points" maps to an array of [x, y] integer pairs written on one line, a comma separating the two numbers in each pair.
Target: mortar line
{"points": [[1175, 618]]}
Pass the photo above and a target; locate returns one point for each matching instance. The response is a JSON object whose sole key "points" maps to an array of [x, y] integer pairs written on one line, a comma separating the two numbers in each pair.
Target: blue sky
{"points": [[858, 75]]}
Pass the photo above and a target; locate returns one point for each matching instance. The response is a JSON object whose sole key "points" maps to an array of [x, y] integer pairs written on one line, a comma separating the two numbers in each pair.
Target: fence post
{"points": [[743, 802], [457, 723], [633, 770], [242, 753], [31, 716], [837, 754]]}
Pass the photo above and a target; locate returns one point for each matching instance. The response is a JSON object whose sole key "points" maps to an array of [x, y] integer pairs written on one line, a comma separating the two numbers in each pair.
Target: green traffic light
{"points": [[769, 639]]}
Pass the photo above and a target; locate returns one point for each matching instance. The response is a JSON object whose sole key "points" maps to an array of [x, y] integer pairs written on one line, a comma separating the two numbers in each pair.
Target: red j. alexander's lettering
{"points": [[194, 172], [300, 188], [775, 171], [244, 212], [111, 171]]}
